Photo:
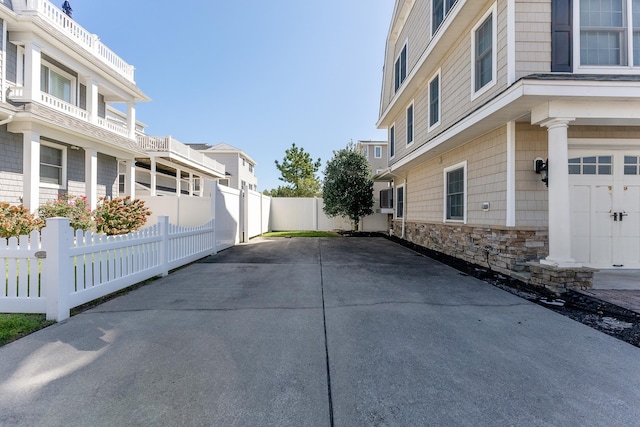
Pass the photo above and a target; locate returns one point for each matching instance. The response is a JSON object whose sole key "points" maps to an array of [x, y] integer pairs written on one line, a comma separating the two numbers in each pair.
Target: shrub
{"points": [[17, 221], [72, 207], [120, 215]]}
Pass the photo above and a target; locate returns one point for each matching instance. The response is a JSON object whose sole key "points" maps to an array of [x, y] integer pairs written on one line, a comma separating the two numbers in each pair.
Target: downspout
{"points": [[7, 120]]}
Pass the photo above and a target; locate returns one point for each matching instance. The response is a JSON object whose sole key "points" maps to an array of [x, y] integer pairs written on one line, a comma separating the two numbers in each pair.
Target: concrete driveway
{"points": [[319, 332]]}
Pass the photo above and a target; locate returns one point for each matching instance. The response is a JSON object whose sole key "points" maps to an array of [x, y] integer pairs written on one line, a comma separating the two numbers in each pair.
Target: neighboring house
{"points": [[60, 130], [474, 92], [377, 156], [239, 167]]}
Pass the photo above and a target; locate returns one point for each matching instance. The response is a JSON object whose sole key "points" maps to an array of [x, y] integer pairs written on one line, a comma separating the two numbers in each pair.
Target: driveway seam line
{"points": [[326, 345]]}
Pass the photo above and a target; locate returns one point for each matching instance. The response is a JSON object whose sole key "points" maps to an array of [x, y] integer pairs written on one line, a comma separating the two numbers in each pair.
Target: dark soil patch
{"points": [[605, 317]]}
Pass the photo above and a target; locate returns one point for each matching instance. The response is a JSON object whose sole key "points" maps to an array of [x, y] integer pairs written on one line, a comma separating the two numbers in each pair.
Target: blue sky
{"points": [[259, 75]]}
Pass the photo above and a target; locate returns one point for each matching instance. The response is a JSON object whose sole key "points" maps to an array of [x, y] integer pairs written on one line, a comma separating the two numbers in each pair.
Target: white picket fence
{"points": [[59, 269]]}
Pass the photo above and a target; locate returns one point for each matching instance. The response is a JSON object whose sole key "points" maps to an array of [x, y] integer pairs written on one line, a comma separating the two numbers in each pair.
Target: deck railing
{"points": [[168, 144], [90, 42]]}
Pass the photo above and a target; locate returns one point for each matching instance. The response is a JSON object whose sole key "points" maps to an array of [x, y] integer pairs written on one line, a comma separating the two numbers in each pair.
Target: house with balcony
{"points": [[239, 167], [68, 117], [514, 131]]}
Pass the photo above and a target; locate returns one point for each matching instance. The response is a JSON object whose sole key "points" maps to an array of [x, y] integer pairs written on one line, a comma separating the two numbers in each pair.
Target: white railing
{"points": [[113, 127], [167, 144], [63, 106], [58, 269], [90, 42]]}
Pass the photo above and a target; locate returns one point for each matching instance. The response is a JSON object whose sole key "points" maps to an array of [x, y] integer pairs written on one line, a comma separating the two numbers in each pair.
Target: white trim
{"points": [[511, 42], [438, 75], [413, 123], [398, 25], [375, 151], [446, 170], [73, 81], [406, 75], [511, 174], [404, 202], [63, 174], [494, 52]]}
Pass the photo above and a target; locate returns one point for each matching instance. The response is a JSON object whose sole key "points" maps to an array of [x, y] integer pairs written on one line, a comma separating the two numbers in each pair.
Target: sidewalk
{"points": [[319, 332]]}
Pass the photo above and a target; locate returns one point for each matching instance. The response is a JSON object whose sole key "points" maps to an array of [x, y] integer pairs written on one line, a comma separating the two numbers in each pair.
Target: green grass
{"points": [[300, 234], [14, 326]]}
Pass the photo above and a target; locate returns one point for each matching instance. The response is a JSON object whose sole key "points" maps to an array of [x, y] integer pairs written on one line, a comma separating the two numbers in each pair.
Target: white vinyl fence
{"points": [[58, 269]]}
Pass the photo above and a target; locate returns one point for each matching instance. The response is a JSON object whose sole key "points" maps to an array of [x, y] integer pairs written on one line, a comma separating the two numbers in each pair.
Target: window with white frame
{"points": [[400, 68], [483, 39], [57, 83], [434, 101], [439, 11], [392, 141], [455, 192], [53, 165], [378, 152], [400, 201], [250, 168], [410, 124], [609, 32]]}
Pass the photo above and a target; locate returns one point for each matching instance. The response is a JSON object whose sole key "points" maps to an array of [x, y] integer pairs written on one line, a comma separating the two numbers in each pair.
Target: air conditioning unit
{"points": [[386, 198]]}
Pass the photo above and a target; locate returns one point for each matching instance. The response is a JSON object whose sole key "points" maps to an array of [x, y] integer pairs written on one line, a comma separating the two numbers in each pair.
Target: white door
{"points": [[605, 207]]}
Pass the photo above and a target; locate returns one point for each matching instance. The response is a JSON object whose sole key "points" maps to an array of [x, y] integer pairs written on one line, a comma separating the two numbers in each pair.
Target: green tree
{"points": [[348, 187], [298, 171]]}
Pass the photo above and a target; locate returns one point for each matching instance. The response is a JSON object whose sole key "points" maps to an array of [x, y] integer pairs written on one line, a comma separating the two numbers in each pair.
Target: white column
{"points": [[559, 200], [154, 177], [190, 184], [32, 61], [31, 171], [91, 177], [178, 182], [92, 100], [130, 178], [511, 174], [131, 119]]}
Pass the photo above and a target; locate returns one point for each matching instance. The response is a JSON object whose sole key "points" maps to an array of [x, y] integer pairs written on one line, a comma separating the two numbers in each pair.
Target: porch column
{"points": [[154, 177], [190, 184], [130, 178], [131, 119], [32, 61], [178, 182], [31, 170], [91, 177], [559, 197], [92, 100]]}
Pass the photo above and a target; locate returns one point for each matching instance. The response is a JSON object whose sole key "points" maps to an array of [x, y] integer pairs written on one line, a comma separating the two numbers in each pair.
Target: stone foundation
{"points": [[511, 251]]}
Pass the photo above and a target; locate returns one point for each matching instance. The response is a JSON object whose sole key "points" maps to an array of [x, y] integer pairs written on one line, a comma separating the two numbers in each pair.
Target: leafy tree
{"points": [[348, 187], [298, 171]]}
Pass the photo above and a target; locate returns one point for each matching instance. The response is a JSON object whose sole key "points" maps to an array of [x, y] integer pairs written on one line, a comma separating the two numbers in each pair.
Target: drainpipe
{"points": [[404, 206], [7, 120]]}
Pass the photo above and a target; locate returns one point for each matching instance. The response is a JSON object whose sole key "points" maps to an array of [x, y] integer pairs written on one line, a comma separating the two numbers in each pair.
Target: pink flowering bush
{"points": [[120, 215], [75, 208], [17, 221]]}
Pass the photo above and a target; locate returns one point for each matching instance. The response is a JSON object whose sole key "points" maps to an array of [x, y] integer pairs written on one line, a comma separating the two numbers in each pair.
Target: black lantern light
{"points": [[542, 168]]}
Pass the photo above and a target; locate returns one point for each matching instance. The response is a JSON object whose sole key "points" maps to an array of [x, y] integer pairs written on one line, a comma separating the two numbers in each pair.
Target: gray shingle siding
{"points": [[10, 166], [102, 107], [12, 62]]}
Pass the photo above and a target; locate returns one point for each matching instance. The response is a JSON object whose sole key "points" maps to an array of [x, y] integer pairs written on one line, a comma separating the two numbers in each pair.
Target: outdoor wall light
{"points": [[541, 168]]}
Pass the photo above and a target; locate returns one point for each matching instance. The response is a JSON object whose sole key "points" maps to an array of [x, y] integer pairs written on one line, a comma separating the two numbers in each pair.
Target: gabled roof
{"points": [[222, 148]]}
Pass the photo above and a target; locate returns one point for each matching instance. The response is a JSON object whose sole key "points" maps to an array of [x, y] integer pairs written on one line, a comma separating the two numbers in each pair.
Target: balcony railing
{"points": [[170, 145], [90, 42]]}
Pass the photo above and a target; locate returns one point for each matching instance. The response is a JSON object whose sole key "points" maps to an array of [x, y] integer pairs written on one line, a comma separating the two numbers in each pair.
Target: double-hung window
{"points": [[52, 165], [378, 152], [455, 186], [484, 52], [57, 83], [439, 11], [609, 32], [400, 202], [400, 68], [392, 141], [434, 101], [410, 124]]}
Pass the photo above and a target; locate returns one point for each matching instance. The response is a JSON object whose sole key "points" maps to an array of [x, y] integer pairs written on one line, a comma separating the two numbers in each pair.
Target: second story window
{"points": [[434, 101], [392, 141], [410, 124], [56, 83], [400, 69], [378, 152], [439, 10], [483, 40], [605, 35]]}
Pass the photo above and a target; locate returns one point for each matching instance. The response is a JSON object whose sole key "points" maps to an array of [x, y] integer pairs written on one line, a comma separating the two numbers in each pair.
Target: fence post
{"points": [[57, 275], [163, 222], [214, 223], [245, 213]]}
